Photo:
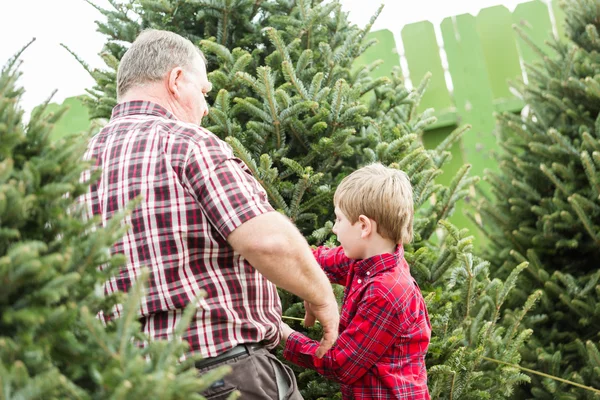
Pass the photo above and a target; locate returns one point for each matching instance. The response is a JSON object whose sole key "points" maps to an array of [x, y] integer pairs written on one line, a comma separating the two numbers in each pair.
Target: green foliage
{"points": [[53, 264], [296, 109], [546, 206]]}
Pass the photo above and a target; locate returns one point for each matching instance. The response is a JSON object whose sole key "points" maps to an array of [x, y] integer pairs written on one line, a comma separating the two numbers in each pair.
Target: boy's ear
{"points": [[366, 226]]}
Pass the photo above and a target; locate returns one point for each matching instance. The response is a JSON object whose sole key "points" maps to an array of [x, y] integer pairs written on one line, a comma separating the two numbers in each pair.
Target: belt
{"points": [[240, 350]]}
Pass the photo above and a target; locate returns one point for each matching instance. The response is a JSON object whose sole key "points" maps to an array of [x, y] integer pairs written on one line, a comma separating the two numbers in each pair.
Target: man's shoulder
{"points": [[186, 131]]}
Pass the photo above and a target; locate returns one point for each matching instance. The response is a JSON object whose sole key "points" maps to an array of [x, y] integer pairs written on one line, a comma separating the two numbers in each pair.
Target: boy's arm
{"points": [[359, 346], [334, 263]]}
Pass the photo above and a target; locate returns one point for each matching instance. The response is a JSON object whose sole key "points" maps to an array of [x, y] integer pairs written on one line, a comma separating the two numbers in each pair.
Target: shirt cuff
{"points": [[299, 349], [240, 217]]}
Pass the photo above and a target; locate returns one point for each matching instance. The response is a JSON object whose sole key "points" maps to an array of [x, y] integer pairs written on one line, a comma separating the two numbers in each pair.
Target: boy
{"points": [[384, 325]]}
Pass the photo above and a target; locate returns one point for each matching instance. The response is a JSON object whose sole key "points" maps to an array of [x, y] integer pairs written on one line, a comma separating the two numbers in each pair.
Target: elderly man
{"points": [[204, 223]]}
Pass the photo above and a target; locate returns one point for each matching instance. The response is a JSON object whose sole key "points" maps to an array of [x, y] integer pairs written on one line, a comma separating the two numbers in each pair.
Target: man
{"points": [[204, 223]]}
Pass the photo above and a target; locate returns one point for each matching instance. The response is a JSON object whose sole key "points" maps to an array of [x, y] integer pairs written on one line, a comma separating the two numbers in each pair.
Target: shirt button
{"points": [[359, 281], [368, 273]]}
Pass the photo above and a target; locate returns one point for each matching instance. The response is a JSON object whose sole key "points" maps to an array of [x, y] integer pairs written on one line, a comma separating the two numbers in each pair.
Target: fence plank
{"points": [[472, 92], [533, 18], [423, 55], [494, 25], [559, 18], [384, 50]]}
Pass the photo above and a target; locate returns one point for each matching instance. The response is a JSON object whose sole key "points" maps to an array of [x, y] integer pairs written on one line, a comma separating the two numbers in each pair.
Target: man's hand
{"points": [[329, 317]]}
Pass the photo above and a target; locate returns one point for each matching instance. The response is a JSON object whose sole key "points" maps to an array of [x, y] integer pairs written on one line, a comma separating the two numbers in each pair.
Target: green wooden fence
{"points": [[483, 53]]}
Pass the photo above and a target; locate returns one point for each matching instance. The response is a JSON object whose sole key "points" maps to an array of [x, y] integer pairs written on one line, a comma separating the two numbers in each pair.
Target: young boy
{"points": [[384, 325]]}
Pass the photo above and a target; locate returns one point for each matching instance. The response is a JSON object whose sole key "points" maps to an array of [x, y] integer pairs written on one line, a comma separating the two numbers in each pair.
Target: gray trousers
{"points": [[258, 376]]}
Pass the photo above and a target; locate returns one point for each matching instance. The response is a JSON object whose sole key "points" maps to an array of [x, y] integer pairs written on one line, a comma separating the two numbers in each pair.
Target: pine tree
{"points": [[546, 206], [51, 344], [291, 100]]}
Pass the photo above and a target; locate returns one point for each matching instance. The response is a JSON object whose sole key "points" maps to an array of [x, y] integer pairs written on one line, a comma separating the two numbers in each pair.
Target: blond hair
{"points": [[382, 194], [153, 54]]}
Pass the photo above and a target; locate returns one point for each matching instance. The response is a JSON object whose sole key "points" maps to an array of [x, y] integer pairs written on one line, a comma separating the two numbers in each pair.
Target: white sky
{"points": [[47, 66]]}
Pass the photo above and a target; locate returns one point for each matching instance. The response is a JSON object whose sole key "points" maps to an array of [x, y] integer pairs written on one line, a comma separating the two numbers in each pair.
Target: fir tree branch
{"points": [[576, 201], [556, 378]]}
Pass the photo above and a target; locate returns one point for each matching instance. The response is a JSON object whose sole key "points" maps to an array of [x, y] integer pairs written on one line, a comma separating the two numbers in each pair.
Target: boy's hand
{"points": [[286, 331]]}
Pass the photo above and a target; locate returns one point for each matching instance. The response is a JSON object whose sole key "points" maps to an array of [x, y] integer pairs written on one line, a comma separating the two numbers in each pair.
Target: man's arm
{"points": [[273, 245]]}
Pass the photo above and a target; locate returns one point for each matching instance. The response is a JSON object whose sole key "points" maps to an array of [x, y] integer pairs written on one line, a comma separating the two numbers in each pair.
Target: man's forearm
{"points": [[272, 244]]}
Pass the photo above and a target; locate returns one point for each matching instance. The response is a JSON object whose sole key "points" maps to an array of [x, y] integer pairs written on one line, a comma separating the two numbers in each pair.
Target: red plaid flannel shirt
{"points": [[195, 193], [384, 329]]}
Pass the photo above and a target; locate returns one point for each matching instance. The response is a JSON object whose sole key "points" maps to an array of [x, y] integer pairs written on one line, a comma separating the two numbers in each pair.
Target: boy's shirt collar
{"points": [[379, 263]]}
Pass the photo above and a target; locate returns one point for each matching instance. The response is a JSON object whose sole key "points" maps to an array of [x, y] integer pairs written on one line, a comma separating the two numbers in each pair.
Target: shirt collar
{"points": [[137, 107], [379, 263]]}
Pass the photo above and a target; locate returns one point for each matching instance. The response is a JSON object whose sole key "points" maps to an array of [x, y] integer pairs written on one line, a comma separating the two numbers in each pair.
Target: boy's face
{"points": [[349, 235]]}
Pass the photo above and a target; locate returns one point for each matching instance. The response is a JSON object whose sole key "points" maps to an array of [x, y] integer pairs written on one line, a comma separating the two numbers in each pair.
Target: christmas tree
{"points": [[291, 100], [51, 344], [546, 206]]}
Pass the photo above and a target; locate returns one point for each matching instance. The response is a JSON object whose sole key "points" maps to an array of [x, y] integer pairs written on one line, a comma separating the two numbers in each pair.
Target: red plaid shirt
{"points": [[384, 329], [195, 193]]}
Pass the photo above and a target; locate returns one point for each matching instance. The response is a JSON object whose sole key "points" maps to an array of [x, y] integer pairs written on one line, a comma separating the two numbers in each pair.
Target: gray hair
{"points": [[151, 56]]}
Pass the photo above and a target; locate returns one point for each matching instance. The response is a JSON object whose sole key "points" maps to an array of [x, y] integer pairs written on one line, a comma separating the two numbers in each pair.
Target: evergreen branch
{"points": [[278, 43], [367, 28], [591, 172], [219, 50], [531, 301], [375, 84], [563, 141], [576, 201], [315, 85], [303, 61], [79, 60], [224, 22], [103, 11], [296, 109], [338, 100], [467, 261], [252, 109], [590, 141], [452, 138], [556, 378], [241, 63], [269, 94], [508, 285], [249, 80], [552, 176], [96, 332], [243, 154], [295, 127], [130, 313], [290, 75], [13, 60], [452, 189], [419, 91]]}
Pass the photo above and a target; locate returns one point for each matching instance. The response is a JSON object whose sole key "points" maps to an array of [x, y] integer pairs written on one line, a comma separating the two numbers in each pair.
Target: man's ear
{"points": [[366, 226], [174, 79]]}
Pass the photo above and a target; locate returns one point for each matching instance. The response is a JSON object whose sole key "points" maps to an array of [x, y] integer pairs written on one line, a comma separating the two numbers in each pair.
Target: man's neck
{"points": [[149, 94]]}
